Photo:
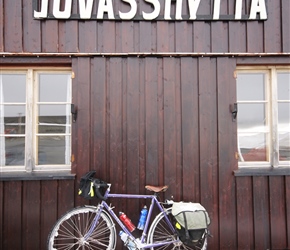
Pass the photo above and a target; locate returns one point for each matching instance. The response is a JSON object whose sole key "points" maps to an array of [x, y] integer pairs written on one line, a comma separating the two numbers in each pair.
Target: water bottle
{"points": [[128, 223], [127, 241], [142, 219]]}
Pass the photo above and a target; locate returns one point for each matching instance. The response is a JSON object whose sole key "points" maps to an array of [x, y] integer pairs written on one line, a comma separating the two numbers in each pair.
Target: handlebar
{"points": [[99, 184]]}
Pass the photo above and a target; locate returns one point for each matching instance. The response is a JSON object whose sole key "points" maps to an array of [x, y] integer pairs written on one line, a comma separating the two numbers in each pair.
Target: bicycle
{"points": [[92, 227]]}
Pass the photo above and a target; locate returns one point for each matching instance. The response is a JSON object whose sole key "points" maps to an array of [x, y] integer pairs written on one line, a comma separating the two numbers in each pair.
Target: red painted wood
{"points": [[278, 217], [100, 118], [208, 142], [170, 129], [31, 223], [226, 155], [12, 26], [1, 26], [245, 215], [272, 28], [152, 120], [285, 8], [12, 220], [261, 213], [48, 208]]}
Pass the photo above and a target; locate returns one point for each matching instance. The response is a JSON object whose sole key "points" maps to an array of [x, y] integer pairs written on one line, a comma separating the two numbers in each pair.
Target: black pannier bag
{"points": [[90, 187], [191, 222]]}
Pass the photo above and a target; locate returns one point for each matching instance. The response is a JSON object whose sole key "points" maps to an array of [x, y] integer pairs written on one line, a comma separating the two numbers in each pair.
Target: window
{"points": [[35, 120], [263, 98]]}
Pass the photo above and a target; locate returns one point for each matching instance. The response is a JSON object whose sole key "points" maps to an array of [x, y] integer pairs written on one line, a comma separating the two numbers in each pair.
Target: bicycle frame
{"points": [[140, 243]]}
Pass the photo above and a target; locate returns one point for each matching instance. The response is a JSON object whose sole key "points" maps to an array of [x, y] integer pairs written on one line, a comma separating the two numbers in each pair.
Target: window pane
{"points": [[284, 86], [252, 147], [284, 131], [251, 116], [53, 150], [54, 119], [14, 119], [284, 146], [14, 88], [14, 151], [252, 124], [54, 88], [251, 87]]}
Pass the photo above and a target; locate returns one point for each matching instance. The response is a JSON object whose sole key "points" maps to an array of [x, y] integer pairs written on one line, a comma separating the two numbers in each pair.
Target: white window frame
{"points": [[31, 104], [272, 140]]}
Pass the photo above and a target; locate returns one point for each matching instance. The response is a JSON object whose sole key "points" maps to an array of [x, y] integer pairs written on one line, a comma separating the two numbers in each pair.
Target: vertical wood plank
{"points": [[66, 193], [1, 26], [142, 125], [83, 123], [183, 37], [190, 134], [277, 212], [245, 218], [61, 37], [71, 36], [105, 41], [202, 37], [131, 125], [145, 41], [219, 37], [151, 120], [1, 213], [127, 37], [88, 29], [13, 232], [237, 37], [31, 29], [255, 37], [99, 107], [161, 120], [31, 226], [208, 172], [285, 22], [115, 126], [226, 152], [261, 212], [50, 36], [163, 37], [13, 26], [287, 202], [170, 157], [48, 215], [74, 125], [178, 165], [272, 27]]}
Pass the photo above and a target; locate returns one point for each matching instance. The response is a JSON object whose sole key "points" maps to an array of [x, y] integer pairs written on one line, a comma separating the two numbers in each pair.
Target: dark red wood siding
{"points": [[21, 33], [151, 111]]}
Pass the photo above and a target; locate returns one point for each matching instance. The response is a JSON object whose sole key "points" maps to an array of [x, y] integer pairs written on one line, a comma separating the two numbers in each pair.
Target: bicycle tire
{"points": [[68, 232], [160, 231]]}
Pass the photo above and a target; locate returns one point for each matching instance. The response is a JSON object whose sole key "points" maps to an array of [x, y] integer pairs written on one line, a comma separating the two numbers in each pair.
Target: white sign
{"points": [[105, 10]]}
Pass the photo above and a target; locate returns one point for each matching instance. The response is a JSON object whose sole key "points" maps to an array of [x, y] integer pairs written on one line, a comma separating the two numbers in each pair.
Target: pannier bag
{"points": [[88, 188], [191, 221]]}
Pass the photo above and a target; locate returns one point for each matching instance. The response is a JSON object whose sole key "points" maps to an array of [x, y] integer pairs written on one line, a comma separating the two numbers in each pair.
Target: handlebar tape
{"points": [[98, 185]]}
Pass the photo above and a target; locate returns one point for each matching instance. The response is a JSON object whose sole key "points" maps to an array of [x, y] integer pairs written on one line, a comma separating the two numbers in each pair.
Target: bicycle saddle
{"points": [[156, 189]]}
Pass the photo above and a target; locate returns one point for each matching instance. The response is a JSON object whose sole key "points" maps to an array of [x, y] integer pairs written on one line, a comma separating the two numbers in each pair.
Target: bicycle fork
{"points": [[93, 224]]}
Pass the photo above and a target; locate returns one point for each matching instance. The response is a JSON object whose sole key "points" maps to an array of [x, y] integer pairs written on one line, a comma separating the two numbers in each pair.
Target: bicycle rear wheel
{"points": [[161, 232], [69, 231]]}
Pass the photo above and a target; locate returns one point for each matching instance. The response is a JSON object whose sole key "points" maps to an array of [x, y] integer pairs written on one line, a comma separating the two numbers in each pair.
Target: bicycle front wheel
{"points": [[161, 232], [70, 231]]}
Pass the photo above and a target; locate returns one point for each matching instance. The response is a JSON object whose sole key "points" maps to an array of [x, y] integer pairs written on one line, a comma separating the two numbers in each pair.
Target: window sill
{"points": [[22, 176], [262, 171]]}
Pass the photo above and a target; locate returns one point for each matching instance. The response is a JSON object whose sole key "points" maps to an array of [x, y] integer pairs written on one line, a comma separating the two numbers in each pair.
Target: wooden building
{"points": [[155, 86]]}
